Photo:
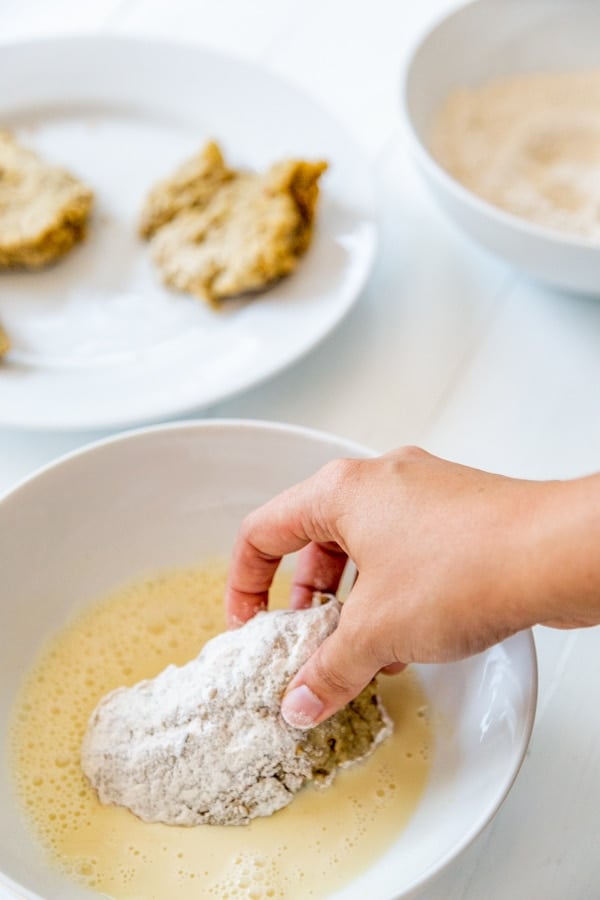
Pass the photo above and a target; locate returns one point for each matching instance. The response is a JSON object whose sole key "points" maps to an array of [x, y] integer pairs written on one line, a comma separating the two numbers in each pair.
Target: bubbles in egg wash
{"points": [[308, 849]]}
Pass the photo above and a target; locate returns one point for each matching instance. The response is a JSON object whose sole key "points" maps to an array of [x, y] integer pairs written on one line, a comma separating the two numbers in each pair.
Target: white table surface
{"points": [[447, 348]]}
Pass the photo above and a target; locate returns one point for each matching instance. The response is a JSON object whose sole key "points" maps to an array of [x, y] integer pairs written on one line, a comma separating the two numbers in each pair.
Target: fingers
{"points": [[244, 593], [284, 525], [333, 676], [319, 568]]}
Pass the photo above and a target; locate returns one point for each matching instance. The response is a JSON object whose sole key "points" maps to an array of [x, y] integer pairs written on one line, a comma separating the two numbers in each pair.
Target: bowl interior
{"points": [[171, 496], [490, 39]]}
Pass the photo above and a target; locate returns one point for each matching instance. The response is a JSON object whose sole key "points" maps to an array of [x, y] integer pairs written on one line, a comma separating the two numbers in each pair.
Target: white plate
{"points": [[479, 42], [98, 342], [204, 478]]}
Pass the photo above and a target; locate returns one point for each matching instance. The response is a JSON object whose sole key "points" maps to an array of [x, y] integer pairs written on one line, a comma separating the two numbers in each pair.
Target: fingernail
{"points": [[301, 708]]}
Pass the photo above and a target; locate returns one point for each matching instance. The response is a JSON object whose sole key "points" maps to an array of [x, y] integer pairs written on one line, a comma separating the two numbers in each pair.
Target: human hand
{"points": [[447, 560]]}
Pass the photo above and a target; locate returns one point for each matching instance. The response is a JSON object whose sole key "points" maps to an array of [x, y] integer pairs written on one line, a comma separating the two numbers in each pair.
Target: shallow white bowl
{"points": [[491, 39], [169, 496]]}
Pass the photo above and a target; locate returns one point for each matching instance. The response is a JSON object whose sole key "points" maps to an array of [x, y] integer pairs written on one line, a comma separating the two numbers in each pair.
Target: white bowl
{"points": [[167, 496], [490, 39]]}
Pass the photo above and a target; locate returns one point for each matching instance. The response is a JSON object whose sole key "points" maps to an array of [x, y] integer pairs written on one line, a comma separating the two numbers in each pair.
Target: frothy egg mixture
{"points": [[310, 849]]}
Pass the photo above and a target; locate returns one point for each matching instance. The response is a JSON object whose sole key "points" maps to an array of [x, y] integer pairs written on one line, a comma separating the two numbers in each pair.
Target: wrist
{"points": [[559, 561]]}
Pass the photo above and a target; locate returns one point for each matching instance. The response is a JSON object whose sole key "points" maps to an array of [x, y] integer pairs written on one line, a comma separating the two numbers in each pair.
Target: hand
{"points": [[450, 560]]}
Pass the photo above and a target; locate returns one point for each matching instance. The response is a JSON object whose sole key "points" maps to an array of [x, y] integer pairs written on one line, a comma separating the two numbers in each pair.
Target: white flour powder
{"points": [[205, 742], [530, 145]]}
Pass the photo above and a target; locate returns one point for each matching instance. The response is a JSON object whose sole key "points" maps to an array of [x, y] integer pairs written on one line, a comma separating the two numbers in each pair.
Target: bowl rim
{"points": [[424, 157], [353, 449], [186, 425]]}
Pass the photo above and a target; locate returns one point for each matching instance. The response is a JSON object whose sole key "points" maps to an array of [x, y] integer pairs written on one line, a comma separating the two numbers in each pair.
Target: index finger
{"points": [[283, 525]]}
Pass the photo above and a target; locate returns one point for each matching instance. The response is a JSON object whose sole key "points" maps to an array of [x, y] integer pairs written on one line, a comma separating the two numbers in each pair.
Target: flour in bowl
{"points": [[205, 743], [530, 145]]}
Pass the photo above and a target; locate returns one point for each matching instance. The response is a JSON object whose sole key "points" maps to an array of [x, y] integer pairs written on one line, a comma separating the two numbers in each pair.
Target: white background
{"points": [[447, 348]]}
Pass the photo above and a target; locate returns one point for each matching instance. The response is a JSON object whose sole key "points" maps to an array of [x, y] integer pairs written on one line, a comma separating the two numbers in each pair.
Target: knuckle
{"points": [[334, 489], [331, 676], [334, 481], [339, 472], [410, 453], [247, 529], [369, 643], [368, 631], [250, 537]]}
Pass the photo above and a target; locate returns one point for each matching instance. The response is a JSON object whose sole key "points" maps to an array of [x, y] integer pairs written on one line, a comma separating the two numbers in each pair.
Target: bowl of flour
{"points": [[502, 105]]}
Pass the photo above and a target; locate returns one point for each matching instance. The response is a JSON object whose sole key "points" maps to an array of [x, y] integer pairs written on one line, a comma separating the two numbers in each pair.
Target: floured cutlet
{"points": [[43, 209], [223, 232], [205, 743]]}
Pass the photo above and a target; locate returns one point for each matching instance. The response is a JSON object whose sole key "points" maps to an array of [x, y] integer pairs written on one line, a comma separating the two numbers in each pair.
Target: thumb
{"points": [[334, 675]]}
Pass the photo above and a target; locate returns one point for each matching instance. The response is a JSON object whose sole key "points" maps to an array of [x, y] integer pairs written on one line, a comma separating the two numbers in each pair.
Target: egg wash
{"points": [[309, 849]]}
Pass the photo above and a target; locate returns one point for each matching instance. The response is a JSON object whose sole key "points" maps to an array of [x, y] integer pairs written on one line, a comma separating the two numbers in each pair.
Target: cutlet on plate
{"points": [[43, 208], [216, 232]]}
